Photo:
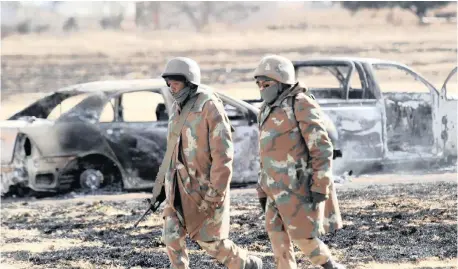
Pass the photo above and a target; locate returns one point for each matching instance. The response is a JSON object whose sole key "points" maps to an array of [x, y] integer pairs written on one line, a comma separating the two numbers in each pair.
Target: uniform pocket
{"points": [[188, 186], [303, 180]]}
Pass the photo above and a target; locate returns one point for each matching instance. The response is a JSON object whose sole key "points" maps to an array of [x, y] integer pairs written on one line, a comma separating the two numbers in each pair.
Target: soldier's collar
{"points": [[293, 90]]}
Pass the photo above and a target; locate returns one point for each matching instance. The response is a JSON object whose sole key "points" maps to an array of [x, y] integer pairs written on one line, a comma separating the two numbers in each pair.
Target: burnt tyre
{"points": [[91, 173], [91, 179]]}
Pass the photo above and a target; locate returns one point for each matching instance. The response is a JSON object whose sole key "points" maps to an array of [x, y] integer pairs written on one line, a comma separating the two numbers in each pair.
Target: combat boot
{"points": [[331, 264], [253, 262]]}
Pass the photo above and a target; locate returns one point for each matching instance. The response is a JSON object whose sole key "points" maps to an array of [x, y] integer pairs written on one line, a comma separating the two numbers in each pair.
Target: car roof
{"points": [[158, 83], [116, 85], [351, 59]]}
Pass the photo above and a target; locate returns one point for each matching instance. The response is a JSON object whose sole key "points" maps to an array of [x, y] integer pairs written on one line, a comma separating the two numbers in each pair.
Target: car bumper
{"points": [[39, 174]]}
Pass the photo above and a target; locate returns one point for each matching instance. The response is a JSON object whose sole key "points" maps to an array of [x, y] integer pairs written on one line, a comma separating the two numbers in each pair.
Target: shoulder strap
{"points": [[175, 134], [294, 101]]}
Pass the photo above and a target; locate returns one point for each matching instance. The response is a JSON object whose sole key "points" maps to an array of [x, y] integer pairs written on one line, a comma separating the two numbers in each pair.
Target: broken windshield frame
{"points": [[416, 76], [44, 106], [341, 70], [444, 91]]}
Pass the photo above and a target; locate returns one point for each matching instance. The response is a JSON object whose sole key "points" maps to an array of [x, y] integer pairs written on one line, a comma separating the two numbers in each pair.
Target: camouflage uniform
{"points": [[201, 170], [296, 155]]}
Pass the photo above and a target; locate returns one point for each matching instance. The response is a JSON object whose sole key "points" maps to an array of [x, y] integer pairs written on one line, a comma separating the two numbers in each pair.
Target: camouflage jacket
{"points": [[204, 170], [296, 158]]}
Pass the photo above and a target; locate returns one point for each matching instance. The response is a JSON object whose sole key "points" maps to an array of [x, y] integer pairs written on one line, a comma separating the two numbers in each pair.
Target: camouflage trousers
{"points": [[225, 251], [283, 249]]}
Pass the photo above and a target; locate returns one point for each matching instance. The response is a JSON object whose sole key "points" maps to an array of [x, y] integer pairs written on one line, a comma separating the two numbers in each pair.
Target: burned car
{"points": [[386, 114], [94, 134]]}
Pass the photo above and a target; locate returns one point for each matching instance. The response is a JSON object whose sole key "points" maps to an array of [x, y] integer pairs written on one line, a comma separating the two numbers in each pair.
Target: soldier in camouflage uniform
{"points": [[197, 183], [295, 187]]}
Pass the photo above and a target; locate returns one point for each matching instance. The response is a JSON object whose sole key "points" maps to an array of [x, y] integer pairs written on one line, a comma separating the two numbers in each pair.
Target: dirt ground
{"points": [[390, 221]]}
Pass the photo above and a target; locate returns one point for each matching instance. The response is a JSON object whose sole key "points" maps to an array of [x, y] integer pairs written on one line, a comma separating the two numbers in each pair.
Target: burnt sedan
{"points": [[99, 133]]}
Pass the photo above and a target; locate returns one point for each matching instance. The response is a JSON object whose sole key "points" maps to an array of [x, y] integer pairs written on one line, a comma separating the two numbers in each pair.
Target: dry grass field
{"points": [[407, 226], [44, 62]]}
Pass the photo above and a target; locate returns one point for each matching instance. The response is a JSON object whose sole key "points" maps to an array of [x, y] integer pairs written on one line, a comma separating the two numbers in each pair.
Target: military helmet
{"points": [[278, 68], [183, 66]]}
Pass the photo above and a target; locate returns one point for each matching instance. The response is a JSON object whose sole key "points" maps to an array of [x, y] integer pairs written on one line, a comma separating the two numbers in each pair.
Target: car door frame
{"points": [[119, 129], [446, 111], [334, 108], [434, 93]]}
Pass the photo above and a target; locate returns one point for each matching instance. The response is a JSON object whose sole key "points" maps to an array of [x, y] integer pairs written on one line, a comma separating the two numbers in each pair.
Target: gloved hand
{"points": [[154, 204], [316, 198], [263, 202]]}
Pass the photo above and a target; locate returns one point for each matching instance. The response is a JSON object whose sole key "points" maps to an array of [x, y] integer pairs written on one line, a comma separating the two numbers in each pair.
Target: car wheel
{"points": [[91, 179]]}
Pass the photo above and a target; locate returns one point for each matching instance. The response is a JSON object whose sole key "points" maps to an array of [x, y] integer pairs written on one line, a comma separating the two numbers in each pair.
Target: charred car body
{"points": [[385, 113], [116, 131]]}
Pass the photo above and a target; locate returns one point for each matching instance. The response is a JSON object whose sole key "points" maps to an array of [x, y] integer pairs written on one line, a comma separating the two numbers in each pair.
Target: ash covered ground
{"points": [[385, 226]]}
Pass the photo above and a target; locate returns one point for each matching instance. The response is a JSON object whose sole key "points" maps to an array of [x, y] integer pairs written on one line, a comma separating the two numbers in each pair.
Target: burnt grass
{"points": [[382, 223]]}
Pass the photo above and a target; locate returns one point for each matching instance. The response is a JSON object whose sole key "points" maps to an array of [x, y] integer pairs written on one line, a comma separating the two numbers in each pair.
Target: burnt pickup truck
{"points": [[385, 113]]}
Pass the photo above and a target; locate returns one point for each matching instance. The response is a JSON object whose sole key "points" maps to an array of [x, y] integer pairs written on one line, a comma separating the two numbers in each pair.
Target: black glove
{"points": [[161, 198], [263, 202], [316, 198]]}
